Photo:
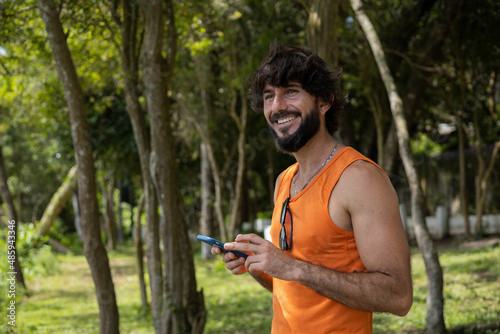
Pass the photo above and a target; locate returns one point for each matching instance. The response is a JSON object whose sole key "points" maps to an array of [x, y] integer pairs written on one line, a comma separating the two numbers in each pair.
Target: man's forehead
{"points": [[268, 86]]}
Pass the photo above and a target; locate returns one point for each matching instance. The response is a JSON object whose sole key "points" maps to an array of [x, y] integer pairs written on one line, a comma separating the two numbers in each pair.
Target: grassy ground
{"points": [[64, 301]]}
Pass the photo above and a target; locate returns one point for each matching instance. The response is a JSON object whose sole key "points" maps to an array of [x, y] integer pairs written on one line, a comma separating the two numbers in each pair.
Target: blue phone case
{"points": [[220, 244]]}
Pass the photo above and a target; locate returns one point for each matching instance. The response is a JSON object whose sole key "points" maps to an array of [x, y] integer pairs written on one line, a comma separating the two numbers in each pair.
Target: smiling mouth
{"points": [[286, 119]]}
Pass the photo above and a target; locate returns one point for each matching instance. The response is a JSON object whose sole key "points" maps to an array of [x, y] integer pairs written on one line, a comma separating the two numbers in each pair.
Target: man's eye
{"points": [[291, 91], [268, 97]]}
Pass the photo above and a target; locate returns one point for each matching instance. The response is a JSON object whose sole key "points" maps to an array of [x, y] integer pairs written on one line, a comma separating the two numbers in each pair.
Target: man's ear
{"points": [[324, 105]]}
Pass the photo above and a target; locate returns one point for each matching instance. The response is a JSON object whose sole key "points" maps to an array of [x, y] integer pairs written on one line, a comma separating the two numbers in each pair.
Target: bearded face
{"points": [[292, 142]]}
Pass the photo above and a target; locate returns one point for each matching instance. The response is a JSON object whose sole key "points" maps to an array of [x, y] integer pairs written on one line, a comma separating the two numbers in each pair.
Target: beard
{"points": [[294, 142]]}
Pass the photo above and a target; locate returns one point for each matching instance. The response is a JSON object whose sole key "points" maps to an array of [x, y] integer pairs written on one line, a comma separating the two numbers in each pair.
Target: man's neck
{"points": [[312, 155]]}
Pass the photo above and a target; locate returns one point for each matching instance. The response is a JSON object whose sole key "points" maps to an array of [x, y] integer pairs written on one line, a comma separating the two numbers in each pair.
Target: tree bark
{"points": [[241, 123], [139, 252], [183, 309], [130, 69], [206, 219], [56, 205], [109, 213], [76, 212], [94, 249], [12, 214], [322, 29], [462, 172], [435, 300]]}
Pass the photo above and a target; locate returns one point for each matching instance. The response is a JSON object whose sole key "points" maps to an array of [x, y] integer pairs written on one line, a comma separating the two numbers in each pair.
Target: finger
{"points": [[236, 266], [216, 250], [242, 246], [228, 256], [253, 238]]}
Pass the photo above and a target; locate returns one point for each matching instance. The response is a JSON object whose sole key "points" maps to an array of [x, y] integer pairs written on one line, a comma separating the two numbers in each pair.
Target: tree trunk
{"points": [[119, 224], [139, 252], [94, 249], [13, 221], [216, 173], [56, 204], [483, 174], [206, 227], [109, 212], [76, 212], [241, 123], [377, 112], [322, 29], [130, 69], [183, 309], [463, 176], [435, 300]]}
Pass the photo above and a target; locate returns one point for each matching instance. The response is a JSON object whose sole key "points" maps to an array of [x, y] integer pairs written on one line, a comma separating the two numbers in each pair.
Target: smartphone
{"points": [[220, 244]]}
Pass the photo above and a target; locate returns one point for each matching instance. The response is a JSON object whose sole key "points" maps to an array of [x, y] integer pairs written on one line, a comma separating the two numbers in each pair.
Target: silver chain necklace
{"points": [[312, 177]]}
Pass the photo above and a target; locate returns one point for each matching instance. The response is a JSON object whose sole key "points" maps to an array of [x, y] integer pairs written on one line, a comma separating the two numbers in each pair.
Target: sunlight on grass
{"points": [[64, 301]]}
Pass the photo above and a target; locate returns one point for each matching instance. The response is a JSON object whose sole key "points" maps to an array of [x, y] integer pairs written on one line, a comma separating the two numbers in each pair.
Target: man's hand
{"points": [[234, 263], [238, 265], [266, 257]]}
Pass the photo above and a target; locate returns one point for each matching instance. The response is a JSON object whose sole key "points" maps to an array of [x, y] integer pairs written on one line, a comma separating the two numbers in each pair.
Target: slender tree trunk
{"points": [[76, 212], [216, 173], [376, 110], [241, 123], [56, 204], [206, 67], [463, 176], [483, 175], [435, 299], [12, 214], [130, 69], [183, 309], [94, 250], [120, 215], [139, 252], [109, 213], [206, 227]]}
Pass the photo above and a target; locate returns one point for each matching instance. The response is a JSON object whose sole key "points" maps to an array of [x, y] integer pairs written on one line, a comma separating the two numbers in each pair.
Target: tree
{"points": [[56, 204], [94, 250], [435, 299], [7, 199], [139, 252], [130, 48], [183, 308]]}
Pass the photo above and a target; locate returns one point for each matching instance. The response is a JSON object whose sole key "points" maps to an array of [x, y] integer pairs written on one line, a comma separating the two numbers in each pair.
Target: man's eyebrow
{"points": [[288, 85]]}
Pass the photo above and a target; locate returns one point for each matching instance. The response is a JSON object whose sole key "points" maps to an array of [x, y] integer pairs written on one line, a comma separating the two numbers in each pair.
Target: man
{"points": [[338, 250]]}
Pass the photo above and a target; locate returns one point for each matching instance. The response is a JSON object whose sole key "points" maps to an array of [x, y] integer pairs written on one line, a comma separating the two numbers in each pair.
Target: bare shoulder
{"points": [[363, 191], [372, 206], [364, 174], [361, 183]]}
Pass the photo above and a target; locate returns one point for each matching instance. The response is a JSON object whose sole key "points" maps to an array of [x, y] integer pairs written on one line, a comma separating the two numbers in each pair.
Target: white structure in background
{"points": [[440, 225]]}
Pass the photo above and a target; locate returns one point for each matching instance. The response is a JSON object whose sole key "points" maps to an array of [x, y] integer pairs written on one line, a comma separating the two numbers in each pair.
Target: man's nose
{"points": [[279, 103]]}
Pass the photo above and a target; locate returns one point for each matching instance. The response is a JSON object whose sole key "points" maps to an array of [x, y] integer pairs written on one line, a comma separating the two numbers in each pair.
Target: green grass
{"points": [[63, 301]]}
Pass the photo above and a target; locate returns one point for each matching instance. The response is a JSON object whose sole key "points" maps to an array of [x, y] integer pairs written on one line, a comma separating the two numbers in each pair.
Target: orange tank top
{"points": [[317, 240]]}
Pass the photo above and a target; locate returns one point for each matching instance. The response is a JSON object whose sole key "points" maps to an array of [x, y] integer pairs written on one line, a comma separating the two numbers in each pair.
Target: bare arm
{"points": [[364, 202]]}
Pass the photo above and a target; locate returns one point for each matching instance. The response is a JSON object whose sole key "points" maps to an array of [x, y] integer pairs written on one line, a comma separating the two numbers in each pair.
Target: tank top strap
{"points": [[333, 171], [285, 181]]}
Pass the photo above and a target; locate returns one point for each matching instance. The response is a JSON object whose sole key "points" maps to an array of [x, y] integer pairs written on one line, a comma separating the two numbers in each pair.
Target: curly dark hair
{"points": [[285, 64]]}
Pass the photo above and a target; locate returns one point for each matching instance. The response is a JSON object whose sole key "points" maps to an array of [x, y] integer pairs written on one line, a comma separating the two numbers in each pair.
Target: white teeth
{"points": [[284, 120]]}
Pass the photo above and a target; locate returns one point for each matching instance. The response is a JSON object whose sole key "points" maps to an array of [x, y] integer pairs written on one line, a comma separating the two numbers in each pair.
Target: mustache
{"points": [[285, 113]]}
